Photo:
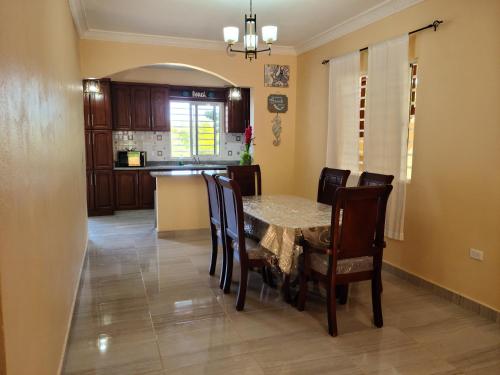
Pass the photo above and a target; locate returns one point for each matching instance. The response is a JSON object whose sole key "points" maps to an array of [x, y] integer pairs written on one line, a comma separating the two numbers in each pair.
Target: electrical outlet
{"points": [[476, 254]]}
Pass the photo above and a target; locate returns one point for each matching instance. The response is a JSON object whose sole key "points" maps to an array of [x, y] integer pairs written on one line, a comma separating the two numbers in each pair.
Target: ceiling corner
{"points": [[385, 9], [79, 17]]}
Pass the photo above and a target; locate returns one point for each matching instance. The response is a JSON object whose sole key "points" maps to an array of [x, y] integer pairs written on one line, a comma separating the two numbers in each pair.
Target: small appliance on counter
{"points": [[131, 159]]}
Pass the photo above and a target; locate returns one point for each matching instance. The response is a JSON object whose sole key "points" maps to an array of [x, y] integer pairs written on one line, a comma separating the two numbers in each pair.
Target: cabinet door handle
{"points": [[152, 121], [93, 138], [130, 119], [92, 119]]}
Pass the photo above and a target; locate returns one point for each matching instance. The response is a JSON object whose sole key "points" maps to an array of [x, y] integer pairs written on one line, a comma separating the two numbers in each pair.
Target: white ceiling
{"points": [[299, 21]]}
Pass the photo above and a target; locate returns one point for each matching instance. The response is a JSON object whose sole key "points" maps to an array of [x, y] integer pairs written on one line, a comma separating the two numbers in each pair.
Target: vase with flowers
{"points": [[246, 157]]}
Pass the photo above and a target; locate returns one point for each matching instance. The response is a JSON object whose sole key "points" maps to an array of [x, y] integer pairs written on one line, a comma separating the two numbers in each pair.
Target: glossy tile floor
{"points": [[147, 306]]}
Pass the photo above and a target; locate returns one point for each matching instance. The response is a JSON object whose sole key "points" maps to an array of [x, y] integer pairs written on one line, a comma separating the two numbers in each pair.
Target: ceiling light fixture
{"points": [[250, 39]]}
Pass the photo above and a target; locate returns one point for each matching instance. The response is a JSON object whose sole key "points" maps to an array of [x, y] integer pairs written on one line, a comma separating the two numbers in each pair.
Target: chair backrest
{"points": [[329, 180], [232, 204], [374, 179], [358, 221], [248, 177], [214, 198]]}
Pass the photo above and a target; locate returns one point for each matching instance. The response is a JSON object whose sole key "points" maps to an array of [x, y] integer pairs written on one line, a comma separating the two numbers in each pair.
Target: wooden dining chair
{"points": [[329, 180], [374, 179], [247, 251], [248, 177], [355, 254], [215, 216]]}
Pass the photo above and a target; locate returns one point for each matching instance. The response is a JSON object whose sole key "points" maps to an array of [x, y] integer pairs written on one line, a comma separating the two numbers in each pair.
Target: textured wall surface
{"points": [[42, 181]]}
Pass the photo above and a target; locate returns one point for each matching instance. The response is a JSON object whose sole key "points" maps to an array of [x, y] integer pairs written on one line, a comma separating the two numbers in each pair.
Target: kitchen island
{"points": [[181, 199]]}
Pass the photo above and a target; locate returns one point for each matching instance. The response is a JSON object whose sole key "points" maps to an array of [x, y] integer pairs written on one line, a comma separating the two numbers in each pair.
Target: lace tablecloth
{"points": [[280, 222]]}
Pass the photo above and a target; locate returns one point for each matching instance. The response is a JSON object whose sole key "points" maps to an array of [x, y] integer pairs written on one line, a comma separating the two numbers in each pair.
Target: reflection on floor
{"points": [[148, 306]]}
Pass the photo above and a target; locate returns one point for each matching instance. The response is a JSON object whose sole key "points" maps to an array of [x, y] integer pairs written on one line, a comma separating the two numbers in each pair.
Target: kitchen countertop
{"points": [[185, 172], [166, 167]]}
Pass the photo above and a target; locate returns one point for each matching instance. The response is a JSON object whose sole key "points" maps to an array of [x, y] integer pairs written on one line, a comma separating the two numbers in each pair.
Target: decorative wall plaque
{"points": [[276, 75], [277, 103]]}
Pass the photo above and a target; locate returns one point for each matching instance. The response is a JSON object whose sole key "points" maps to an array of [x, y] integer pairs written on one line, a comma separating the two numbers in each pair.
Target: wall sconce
{"points": [[92, 86], [234, 93]]}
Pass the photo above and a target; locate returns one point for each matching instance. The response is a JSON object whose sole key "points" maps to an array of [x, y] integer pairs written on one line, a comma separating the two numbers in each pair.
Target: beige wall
{"points": [[43, 227], [102, 59], [170, 76], [453, 200]]}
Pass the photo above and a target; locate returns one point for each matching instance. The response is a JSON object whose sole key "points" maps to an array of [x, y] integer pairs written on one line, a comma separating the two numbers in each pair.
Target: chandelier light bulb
{"points": [[231, 34], [269, 34]]}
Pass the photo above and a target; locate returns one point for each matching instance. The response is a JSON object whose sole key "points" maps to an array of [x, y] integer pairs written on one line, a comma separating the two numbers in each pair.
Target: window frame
{"points": [[194, 131]]}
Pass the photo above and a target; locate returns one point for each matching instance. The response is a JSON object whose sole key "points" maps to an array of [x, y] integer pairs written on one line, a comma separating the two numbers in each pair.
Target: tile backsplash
{"points": [[157, 145]]}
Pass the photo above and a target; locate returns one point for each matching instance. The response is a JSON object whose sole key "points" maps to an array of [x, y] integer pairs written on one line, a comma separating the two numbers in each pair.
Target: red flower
{"points": [[248, 135]]}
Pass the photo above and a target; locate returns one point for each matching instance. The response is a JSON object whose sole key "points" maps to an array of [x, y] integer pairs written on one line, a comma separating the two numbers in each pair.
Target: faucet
{"points": [[196, 159]]}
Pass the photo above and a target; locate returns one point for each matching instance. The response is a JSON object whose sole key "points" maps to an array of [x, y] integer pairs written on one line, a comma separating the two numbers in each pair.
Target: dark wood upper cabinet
{"points": [[146, 189], [89, 159], [103, 191], [141, 107], [100, 109], [122, 107], [160, 109], [126, 190], [86, 110], [238, 113], [102, 149]]}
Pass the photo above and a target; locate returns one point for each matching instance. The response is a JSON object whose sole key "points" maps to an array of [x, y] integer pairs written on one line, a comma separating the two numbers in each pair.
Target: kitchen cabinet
{"points": [[97, 108], [122, 106], [89, 160], [102, 149], [160, 109], [90, 191], [103, 191], [134, 189], [141, 107], [99, 150], [126, 190], [100, 192], [238, 113], [146, 189]]}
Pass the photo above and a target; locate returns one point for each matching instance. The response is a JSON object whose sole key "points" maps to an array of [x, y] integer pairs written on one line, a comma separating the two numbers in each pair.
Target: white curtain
{"points": [[343, 113], [386, 123]]}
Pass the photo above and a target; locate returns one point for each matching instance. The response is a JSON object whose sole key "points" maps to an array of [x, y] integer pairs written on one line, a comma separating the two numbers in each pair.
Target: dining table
{"points": [[281, 223]]}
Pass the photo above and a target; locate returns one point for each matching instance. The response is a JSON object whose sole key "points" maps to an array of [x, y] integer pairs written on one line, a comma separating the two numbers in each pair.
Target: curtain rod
{"points": [[433, 25]]}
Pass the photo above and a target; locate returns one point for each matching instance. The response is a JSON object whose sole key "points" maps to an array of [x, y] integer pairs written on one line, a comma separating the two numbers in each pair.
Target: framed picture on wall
{"points": [[276, 75]]}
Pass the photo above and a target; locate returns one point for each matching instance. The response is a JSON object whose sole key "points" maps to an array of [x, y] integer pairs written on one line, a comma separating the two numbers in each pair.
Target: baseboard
{"points": [[75, 297], [194, 233], [458, 299]]}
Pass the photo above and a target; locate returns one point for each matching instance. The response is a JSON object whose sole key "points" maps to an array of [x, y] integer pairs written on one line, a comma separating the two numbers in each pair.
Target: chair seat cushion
{"points": [[319, 263], [254, 250]]}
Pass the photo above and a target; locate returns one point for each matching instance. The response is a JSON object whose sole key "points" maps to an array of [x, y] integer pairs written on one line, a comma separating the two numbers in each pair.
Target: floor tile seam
{"points": [[155, 333]]}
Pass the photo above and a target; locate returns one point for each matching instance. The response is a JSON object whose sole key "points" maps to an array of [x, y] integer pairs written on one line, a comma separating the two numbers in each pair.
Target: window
{"points": [[411, 123], [195, 128]]}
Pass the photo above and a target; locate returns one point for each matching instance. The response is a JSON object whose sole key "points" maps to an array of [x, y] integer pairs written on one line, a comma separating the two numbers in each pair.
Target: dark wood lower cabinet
{"points": [[134, 190], [146, 189], [100, 192], [126, 190]]}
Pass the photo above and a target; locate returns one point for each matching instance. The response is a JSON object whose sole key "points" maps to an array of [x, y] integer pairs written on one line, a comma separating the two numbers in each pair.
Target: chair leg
{"points": [[213, 259], [331, 304], [264, 274], [223, 267], [270, 277], [301, 303], [377, 302], [242, 290], [342, 293], [228, 274]]}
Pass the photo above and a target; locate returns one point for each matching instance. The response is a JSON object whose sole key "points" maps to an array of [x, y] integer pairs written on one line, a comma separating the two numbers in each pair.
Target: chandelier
{"points": [[250, 39]]}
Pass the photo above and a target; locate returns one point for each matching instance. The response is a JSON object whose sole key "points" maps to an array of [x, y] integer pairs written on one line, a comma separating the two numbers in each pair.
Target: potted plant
{"points": [[246, 157]]}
